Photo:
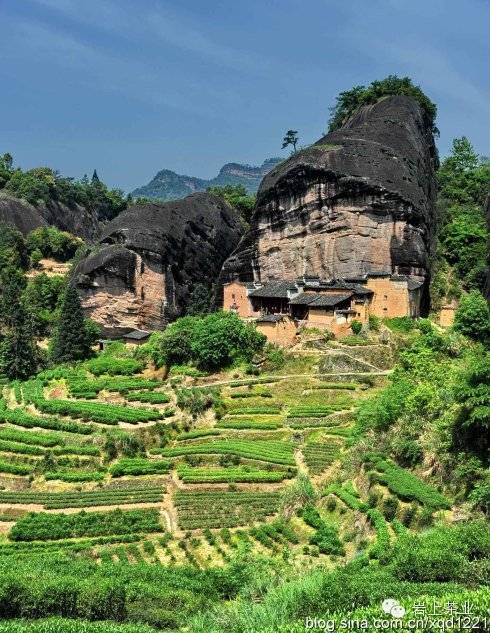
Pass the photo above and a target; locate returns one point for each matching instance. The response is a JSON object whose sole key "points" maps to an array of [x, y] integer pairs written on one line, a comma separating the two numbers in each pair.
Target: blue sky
{"points": [[131, 87]]}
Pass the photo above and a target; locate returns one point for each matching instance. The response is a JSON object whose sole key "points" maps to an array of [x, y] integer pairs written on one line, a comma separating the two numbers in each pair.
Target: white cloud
{"points": [[162, 26]]}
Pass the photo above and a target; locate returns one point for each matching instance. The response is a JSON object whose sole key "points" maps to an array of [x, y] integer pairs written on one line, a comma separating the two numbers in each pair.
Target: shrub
{"points": [[44, 527], [211, 342], [49, 241], [374, 323], [325, 536], [106, 364], [382, 545], [472, 317], [407, 486], [344, 495], [441, 554], [139, 466], [389, 507], [349, 101], [356, 326], [407, 452], [383, 410], [220, 508], [276, 452], [196, 400], [409, 514], [472, 423]]}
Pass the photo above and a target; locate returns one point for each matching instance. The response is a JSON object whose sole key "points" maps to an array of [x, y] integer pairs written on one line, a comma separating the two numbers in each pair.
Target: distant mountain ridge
{"points": [[167, 185]]}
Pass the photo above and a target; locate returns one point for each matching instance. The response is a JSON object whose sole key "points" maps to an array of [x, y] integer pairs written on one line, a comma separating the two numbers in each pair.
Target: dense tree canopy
{"points": [[462, 248], [43, 184], [238, 197], [73, 335], [349, 101], [211, 342], [51, 242], [19, 357], [41, 296], [13, 250]]}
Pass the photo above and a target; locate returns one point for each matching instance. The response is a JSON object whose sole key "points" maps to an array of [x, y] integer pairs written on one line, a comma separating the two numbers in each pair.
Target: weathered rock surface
{"points": [[19, 213], [148, 259], [359, 200], [24, 216]]}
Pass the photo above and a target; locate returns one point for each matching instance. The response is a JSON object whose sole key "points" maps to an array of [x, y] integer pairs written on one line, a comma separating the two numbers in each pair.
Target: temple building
{"points": [[279, 307]]}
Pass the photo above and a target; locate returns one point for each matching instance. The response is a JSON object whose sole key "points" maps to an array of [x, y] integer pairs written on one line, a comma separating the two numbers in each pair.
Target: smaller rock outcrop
{"points": [[19, 213], [142, 272], [26, 217]]}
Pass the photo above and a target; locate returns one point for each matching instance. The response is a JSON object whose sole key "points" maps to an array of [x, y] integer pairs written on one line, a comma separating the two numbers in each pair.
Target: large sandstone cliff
{"points": [[359, 200], [149, 258]]}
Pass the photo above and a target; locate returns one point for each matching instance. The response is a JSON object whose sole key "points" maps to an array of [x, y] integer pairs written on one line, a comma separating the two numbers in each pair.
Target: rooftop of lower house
{"points": [[136, 335], [318, 300], [270, 318], [285, 289], [275, 289]]}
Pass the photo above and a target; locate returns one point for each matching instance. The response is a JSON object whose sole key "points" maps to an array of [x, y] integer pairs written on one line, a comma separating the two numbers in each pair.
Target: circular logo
{"points": [[388, 604], [398, 611], [392, 607]]}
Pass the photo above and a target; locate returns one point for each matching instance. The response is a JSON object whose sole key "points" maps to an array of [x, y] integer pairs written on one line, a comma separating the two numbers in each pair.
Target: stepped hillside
{"points": [[359, 200], [150, 257], [167, 185], [74, 218]]}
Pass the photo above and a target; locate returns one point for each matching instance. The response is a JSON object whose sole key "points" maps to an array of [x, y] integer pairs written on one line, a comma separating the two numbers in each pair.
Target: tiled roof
{"points": [[320, 300], [379, 274], [270, 318], [339, 284], [137, 335], [412, 284], [274, 290]]}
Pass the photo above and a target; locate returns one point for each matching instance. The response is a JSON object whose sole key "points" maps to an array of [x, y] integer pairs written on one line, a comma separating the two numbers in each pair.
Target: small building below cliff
{"points": [[331, 305]]}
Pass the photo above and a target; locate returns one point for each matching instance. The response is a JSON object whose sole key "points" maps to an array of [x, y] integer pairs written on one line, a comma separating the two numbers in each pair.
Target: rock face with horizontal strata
{"points": [[360, 200], [149, 258]]}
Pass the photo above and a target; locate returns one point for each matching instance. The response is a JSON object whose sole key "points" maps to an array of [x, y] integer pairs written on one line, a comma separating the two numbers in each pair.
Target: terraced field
{"points": [[103, 435]]}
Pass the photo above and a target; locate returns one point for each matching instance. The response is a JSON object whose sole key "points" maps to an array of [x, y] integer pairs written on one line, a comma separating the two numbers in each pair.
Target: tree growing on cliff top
{"points": [[238, 197], [73, 335], [349, 101], [291, 138]]}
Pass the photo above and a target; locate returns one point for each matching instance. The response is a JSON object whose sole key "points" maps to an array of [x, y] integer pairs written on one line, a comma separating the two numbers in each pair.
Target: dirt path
{"points": [[300, 462]]}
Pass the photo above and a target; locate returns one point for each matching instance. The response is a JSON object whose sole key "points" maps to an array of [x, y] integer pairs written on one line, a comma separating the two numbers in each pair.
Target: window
{"points": [[142, 294]]}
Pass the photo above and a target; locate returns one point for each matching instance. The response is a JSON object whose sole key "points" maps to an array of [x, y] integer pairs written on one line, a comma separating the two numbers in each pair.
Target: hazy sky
{"points": [[134, 86]]}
